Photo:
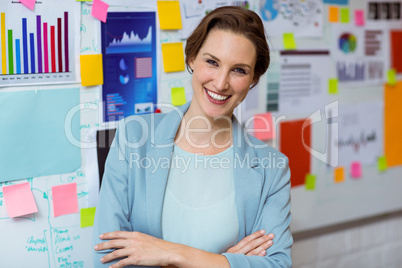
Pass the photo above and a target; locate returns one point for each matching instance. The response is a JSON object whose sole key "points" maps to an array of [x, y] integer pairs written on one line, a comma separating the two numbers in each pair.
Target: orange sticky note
{"points": [[173, 57], [87, 216], [99, 10], [29, 3], [333, 14], [169, 15], [65, 199], [91, 70], [355, 170], [19, 200], [263, 126], [359, 17], [339, 174]]}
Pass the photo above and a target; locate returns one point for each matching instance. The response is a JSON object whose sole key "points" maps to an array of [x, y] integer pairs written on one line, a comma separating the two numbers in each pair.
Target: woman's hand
{"points": [[254, 244], [135, 248]]}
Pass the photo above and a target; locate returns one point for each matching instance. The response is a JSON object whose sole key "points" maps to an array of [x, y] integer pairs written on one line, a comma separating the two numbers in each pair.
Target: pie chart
{"points": [[347, 43]]}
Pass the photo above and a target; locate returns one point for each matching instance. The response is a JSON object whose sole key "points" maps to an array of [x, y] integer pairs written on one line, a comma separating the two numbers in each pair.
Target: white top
{"points": [[199, 208]]}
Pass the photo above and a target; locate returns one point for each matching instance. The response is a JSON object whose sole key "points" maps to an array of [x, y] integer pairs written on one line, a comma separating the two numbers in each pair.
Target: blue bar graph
{"points": [[32, 43], [18, 55], [25, 44]]}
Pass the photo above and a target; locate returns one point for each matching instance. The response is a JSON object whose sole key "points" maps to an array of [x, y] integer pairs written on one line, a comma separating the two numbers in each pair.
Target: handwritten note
{"points": [[99, 10], [355, 170], [263, 126], [87, 216], [173, 57], [91, 70], [169, 15], [339, 174], [19, 200], [359, 17], [333, 14], [289, 41], [310, 182], [345, 15], [65, 199], [333, 86], [178, 96], [29, 3]]}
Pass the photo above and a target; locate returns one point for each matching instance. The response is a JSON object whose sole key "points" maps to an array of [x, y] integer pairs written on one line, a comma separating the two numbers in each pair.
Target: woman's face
{"points": [[223, 72]]}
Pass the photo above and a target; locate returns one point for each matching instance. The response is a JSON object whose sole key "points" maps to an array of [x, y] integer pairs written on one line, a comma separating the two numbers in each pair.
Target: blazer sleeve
{"points": [[112, 212], [274, 218]]}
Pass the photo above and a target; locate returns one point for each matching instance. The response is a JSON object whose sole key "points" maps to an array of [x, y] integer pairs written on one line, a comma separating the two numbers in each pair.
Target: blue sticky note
{"points": [[33, 138]]}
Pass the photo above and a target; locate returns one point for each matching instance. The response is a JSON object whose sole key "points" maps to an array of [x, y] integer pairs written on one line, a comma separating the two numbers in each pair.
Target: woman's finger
{"points": [[261, 250], [115, 235], [116, 254], [254, 244], [239, 246]]}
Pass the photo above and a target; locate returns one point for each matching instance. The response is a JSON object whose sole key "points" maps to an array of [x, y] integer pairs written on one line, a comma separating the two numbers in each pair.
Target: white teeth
{"points": [[216, 96]]}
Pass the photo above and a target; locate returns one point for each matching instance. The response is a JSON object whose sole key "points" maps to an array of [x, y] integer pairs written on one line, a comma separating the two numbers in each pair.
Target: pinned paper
{"points": [[345, 15], [169, 15], [382, 164], [173, 57], [99, 10], [19, 200], [29, 3], [178, 96], [396, 51], [87, 216], [263, 126], [289, 41], [355, 170], [391, 77], [339, 174], [310, 181], [333, 14], [91, 70], [359, 17], [65, 199], [333, 86]]}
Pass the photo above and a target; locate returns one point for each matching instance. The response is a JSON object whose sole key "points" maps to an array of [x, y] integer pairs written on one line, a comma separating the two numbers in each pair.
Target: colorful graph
{"points": [[347, 43]]}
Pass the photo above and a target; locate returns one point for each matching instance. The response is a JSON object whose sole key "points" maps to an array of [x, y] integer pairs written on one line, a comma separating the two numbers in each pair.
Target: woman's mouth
{"points": [[216, 98]]}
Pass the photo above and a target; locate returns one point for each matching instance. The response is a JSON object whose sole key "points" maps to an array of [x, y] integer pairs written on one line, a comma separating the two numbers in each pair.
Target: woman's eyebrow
{"points": [[216, 59]]}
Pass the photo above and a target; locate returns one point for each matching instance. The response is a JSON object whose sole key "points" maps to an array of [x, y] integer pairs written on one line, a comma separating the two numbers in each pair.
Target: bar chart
{"points": [[37, 48]]}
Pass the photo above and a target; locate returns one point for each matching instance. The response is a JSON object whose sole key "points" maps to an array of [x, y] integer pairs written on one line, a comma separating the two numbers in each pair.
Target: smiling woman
{"points": [[212, 204]]}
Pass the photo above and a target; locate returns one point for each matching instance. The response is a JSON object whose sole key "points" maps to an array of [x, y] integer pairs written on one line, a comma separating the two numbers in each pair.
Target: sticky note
{"points": [[263, 126], [173, 57], [355, 170], [99, 10], [29, 3], [87, 216], [391, 77], [19, 200], [310, 181], [178, 96], [333, 86], [169, 15], [333, 14], [392, 124], [339, 174], [359, 17], [382, 163], [91, 70], [345, 15], [65, 199], [289, 41]]}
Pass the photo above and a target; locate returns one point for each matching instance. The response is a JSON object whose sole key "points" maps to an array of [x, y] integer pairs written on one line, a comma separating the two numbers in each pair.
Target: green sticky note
{"points": [[391, 77], [83, 0], [382, 164], [310, 181], [289, 41], [333, 86], [345, 15], [87, 216], [178, 96]]}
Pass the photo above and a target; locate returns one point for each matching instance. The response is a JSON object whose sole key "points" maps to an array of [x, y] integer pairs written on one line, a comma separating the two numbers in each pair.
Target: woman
{"points": [[190, 188]]}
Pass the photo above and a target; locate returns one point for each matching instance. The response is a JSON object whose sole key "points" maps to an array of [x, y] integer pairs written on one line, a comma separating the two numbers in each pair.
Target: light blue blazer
{"points": [[136, 173]]}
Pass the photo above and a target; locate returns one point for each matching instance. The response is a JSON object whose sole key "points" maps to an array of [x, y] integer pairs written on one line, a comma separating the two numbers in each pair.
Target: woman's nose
{"points": [[221, 80]]}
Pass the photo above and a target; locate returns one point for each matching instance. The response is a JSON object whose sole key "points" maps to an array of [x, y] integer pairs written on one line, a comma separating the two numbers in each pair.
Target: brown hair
{"points": [[239, 21]]}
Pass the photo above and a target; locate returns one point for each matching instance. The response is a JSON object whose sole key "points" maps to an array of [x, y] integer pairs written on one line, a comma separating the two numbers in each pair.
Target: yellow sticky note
{"points": [[333, 86], [345, 15], [178, 96], [339, 174], [391, 77], [169, 15], [310, 181], [289, 41], [91, 70], [87, 216], [333, 14], [173, 57], [382, 164]]}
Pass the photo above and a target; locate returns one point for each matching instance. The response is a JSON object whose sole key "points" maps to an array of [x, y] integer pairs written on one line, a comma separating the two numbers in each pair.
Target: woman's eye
{"points": [[212, 62], [240, 70]]}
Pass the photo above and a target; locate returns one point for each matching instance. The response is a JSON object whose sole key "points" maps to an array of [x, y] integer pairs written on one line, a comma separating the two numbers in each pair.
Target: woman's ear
{"points": [[191, 64]]}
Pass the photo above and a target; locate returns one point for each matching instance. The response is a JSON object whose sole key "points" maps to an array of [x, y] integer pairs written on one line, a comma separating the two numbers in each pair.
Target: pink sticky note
{"points": [[29, 3], [355, 170], [359, 17], [19, 200], [263, 126], [65, 199], [99, 10]]}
